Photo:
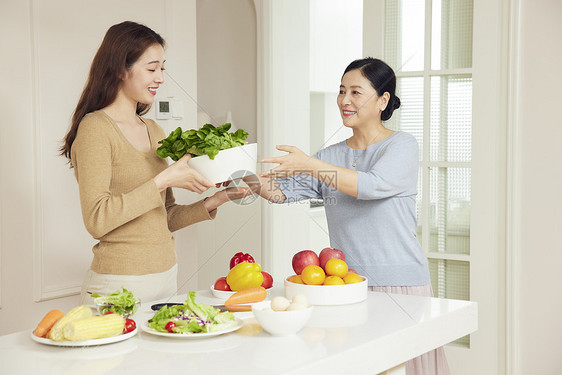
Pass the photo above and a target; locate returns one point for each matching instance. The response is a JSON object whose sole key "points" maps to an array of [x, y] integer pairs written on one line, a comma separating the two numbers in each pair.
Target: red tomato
{"points": [[130, 326], [169, 327], [267, 280], [108, 312], [221, 284]]}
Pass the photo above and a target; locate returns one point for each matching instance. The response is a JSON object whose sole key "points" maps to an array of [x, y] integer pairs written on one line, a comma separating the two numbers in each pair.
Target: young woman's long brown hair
{"points": [[121, 47]]}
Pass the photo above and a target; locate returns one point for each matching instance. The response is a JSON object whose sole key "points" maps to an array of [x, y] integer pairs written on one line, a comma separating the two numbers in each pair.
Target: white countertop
{"points": [[364, 338]]}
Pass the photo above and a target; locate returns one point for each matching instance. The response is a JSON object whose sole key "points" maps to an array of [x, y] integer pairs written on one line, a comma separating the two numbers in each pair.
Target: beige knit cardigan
{"points": [[121, 205]]}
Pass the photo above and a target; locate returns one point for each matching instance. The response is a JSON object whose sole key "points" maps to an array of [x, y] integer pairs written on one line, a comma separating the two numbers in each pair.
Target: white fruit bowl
{"points": [[229, 164], [328, 294], [222, 294], [280, 323]]}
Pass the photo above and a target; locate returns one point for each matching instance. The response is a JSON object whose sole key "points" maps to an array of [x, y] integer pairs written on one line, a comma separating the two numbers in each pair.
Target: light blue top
{"points": [[376, 230]]}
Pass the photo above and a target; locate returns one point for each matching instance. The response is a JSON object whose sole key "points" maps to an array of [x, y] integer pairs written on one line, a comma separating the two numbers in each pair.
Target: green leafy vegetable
{"points": [[191, 318], [119, 302], [205, 312], [208, 140]]}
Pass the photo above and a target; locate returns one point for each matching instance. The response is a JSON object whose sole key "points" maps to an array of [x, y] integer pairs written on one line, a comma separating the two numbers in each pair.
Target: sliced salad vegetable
{"points": [[130, 326], [191, 318], [208, 140], [119, 302]]}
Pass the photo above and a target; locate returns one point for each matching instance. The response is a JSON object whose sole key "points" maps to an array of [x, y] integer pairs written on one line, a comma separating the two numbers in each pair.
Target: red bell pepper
{"points": [[239, 258]]}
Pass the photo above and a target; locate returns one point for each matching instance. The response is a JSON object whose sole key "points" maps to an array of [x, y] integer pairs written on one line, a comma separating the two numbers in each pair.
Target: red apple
{"points": [[304, 258], [352, 271], [328, 253], [267, 280]]}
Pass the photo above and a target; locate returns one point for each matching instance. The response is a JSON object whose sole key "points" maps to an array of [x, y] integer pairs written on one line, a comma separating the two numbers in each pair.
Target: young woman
{"points": [[368, 183], [125, 188]]}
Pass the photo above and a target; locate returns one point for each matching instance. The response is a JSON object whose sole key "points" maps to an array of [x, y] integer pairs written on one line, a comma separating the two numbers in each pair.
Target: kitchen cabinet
{"points": [[370, 337]]}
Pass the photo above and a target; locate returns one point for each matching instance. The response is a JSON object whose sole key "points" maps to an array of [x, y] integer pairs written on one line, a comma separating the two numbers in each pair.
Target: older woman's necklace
{"points": [[356, 158]]}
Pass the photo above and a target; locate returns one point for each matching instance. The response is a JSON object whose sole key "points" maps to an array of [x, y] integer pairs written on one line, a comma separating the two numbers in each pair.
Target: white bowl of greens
{"points": [[228, 165], [217, 154]]}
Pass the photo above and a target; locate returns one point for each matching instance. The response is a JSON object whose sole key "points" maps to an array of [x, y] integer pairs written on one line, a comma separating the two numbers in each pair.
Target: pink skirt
{"points": [[430, 363]]}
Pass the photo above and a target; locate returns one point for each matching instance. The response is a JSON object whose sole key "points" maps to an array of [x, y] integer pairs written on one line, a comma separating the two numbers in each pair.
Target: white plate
{"points": [[146, 328], [223, 294], [107, 340]]}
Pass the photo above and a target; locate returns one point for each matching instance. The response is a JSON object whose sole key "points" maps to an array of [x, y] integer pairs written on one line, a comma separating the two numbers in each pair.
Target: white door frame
{"points": [[488, 222], [283, 81], [513, 205]]}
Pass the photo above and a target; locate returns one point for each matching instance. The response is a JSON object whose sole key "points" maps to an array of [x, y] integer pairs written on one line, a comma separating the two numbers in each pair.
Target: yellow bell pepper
{"points": [[244, 275]]}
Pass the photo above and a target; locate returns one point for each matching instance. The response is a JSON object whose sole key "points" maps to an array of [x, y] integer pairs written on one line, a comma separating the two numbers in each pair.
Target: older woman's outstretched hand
{"points": [[295, 162], [180, 175]]}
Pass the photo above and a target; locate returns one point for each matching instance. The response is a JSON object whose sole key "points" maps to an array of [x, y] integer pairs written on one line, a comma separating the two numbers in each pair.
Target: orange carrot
{"points": [[47, 322], [237, 308], [250, 295]]}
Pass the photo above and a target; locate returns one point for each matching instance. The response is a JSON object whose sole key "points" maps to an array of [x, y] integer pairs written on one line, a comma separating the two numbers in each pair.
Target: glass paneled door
{"points": [[435, 87], [449, 65]]}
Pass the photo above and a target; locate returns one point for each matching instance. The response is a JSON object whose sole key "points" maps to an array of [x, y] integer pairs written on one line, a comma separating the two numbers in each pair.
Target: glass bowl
{"points": [[126, 311]]}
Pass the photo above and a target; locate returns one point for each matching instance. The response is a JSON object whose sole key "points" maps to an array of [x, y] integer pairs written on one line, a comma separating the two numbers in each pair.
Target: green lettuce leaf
{"points": [[208, 140], [205, 312]]}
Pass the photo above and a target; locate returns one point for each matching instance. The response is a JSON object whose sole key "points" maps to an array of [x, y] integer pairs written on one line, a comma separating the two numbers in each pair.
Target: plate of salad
{"points": [[191, 321]]}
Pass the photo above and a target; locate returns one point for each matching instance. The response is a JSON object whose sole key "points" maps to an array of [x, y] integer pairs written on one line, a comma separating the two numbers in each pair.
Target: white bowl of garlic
{"points": [[281, 316]]}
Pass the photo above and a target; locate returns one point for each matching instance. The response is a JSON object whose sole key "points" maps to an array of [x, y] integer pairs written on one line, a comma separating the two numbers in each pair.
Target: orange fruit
{"points": [[352, 278], [313, 275], [333, 280], [336, 267], [296, 279]]}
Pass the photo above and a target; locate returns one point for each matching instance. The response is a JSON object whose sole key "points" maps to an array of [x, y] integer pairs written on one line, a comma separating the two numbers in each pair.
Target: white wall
{"points": [[226, 74], [47, 48], [538, 187], [283, 50], [336, 38], [226, 56]]}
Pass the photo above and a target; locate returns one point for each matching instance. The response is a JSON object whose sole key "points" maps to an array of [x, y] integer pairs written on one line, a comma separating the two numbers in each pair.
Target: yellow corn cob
{"points": [[95, 327], [78, 312]]}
